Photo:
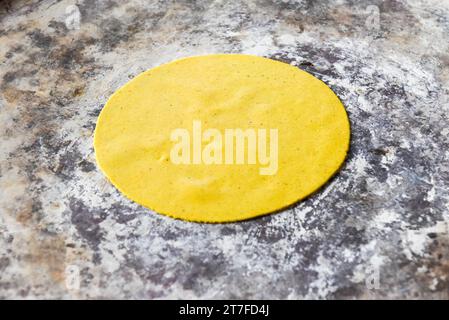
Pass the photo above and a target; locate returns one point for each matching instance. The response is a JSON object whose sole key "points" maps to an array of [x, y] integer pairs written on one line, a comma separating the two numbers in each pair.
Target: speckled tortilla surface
{"points": [[222, 91]]}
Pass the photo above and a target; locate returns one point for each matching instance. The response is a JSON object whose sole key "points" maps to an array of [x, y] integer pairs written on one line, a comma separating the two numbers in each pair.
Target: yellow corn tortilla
{"points": [[223, 91]]}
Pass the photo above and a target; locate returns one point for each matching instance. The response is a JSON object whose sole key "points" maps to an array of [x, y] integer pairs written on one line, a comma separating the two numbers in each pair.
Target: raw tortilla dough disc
{"points": [[223, 91]]}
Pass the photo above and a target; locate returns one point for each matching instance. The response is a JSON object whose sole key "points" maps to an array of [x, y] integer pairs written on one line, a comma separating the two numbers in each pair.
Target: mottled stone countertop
{"points": [[379, 229]]}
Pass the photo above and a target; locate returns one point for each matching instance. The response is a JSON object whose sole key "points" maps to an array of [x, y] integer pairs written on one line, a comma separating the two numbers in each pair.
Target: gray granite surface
{"points": [[379, 229]]}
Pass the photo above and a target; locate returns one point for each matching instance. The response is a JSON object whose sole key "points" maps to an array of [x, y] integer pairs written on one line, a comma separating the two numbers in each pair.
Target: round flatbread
{"points": [[221, 137]]}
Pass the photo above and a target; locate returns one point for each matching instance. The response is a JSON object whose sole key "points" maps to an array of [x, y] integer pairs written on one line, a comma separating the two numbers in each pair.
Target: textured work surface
{"points": [[385, 214]]}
